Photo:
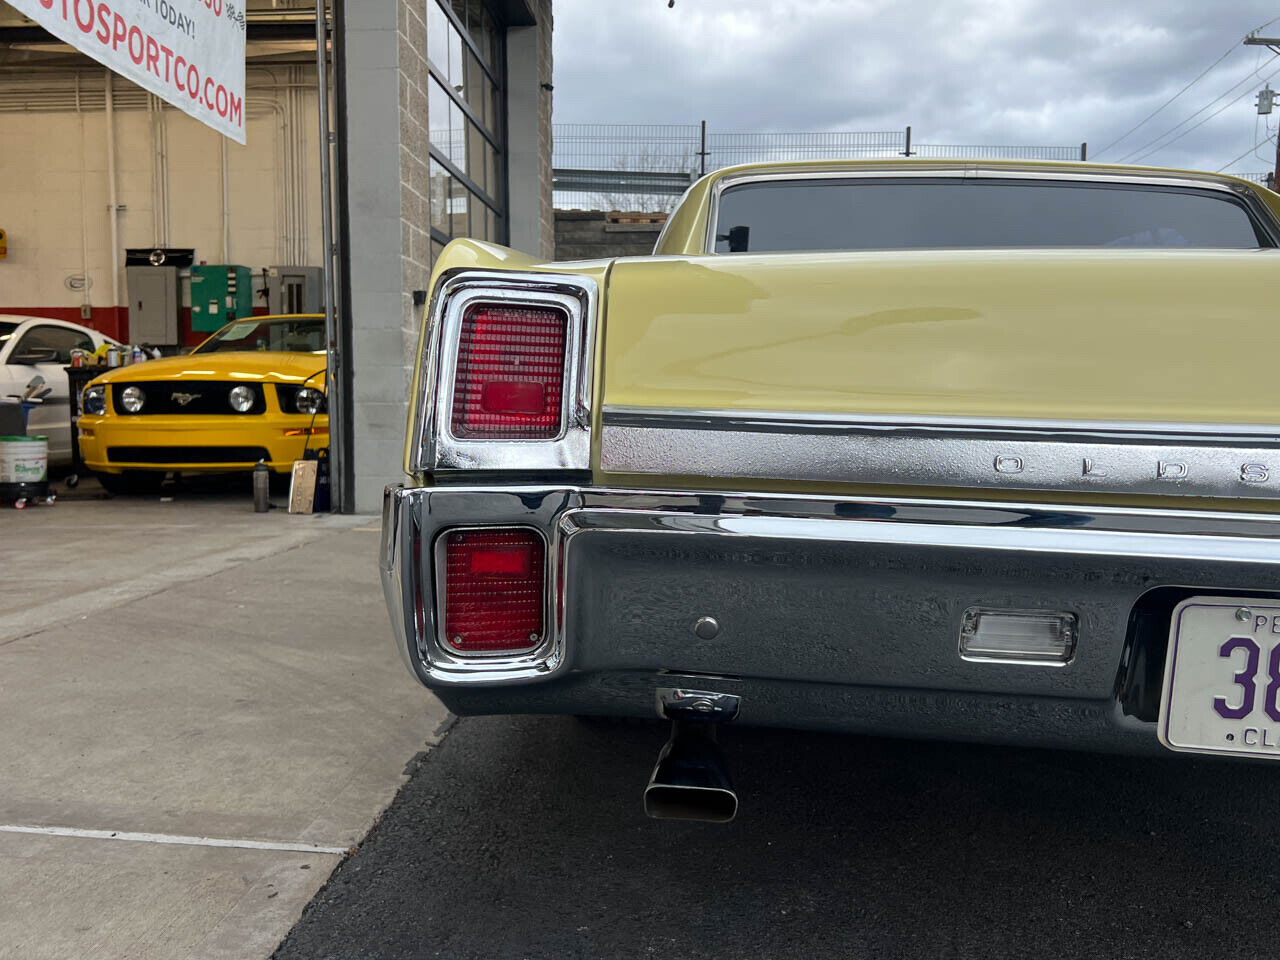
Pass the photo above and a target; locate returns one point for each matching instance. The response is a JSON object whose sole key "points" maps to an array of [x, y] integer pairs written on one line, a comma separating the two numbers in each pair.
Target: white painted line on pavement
{"points": [[169, 838]]}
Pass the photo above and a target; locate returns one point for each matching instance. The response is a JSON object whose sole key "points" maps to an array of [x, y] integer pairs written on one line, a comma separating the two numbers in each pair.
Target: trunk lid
{"points": [[1167, 335]]}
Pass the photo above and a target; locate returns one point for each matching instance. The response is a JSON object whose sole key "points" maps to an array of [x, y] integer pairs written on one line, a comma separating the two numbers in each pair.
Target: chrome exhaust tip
{"points": [[690, 780]]}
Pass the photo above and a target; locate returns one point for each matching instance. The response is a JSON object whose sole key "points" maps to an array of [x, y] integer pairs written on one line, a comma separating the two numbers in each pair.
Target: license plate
{"points": [[1222, 678]]}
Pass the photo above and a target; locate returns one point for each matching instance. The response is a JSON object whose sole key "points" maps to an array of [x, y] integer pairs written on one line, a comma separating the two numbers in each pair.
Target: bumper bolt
{"points": [[706, 628]]}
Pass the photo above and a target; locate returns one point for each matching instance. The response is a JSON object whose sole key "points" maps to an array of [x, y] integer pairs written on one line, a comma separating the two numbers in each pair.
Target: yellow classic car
{"points": [[956, 449], [253, 392]]}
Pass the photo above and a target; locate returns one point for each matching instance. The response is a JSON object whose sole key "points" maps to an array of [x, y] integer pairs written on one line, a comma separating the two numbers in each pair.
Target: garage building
{"points": [[441, 128]]}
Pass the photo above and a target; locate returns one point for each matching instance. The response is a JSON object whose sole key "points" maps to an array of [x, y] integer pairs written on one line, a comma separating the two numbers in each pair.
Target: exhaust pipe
{"points": [[691, 780]]}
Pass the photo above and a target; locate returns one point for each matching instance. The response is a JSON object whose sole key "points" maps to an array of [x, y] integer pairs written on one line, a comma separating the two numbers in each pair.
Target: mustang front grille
{"points": [[245, 455], [202, 397]]}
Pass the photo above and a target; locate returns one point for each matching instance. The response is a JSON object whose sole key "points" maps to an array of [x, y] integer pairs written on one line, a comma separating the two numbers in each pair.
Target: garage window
{"points": [[465, 103]]}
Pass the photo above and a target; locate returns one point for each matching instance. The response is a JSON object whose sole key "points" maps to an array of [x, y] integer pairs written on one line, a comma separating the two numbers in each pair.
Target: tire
{"points": [[132, 482]]}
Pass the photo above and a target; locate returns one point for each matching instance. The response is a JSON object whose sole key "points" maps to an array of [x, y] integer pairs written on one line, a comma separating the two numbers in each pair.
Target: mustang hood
{"points": [[226, 365], [1105, 335]]}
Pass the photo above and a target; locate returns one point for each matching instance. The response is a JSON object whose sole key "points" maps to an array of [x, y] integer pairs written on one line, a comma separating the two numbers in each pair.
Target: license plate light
{"points": [[1018, 636]]}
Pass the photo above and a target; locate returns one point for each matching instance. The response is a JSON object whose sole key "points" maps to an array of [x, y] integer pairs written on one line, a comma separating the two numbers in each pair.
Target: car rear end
{"points": [[944, 494]]}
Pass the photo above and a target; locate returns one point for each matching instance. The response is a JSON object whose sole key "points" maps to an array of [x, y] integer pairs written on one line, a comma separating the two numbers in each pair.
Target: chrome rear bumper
{"points": [[839, 614]]}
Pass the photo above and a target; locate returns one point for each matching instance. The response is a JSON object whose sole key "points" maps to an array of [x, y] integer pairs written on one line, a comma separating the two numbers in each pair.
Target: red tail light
{"points": [[510, 375], [493, 590]]}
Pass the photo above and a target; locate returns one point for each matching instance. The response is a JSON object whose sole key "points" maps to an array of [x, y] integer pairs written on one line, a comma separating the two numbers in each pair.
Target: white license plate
{"points": [[1222, 678]]}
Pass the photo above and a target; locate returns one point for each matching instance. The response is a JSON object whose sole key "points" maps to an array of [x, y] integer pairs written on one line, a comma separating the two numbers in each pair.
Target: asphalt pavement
{"points": [[523, 837]]}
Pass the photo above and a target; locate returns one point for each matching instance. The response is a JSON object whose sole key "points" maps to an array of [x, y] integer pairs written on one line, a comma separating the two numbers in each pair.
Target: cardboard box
{"points": [[302, 486]]}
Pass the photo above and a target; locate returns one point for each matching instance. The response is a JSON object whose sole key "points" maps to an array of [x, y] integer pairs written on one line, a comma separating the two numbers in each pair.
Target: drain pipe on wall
{"points": [[113, 210], [333, 382], [226, 203], [86, 308]]}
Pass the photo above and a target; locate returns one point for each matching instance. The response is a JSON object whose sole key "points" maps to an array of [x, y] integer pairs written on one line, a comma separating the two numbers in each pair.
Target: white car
{"points": [[38, 346]]}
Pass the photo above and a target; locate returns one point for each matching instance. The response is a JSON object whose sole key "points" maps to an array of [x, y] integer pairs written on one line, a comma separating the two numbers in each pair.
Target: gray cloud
{"points": [[959, 71]]}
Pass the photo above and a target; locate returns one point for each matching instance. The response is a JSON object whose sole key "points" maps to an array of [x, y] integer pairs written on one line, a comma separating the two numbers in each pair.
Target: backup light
{"points": [[509, 383], [1036, 636], [494, 589]]}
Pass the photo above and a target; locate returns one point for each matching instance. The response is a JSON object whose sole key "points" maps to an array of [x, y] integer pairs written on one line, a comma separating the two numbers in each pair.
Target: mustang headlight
{"points": [[308, 401], [94, 400], [241, 398], [132, 399]]}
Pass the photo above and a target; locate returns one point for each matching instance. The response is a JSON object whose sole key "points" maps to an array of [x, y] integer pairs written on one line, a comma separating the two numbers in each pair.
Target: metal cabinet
{"points": [[153, 305], [220, 293], [295, 290]]}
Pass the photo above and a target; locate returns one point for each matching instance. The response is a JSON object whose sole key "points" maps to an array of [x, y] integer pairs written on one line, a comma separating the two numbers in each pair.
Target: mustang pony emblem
{"points": [[182, 399]]}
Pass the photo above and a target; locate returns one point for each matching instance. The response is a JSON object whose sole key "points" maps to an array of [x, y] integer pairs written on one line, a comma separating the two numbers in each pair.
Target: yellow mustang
{"points": [[254, 391]]}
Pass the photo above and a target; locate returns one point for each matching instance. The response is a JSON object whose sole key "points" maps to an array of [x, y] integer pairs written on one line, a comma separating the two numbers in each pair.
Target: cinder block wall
{"points": [[387, 189], [592, 234]]}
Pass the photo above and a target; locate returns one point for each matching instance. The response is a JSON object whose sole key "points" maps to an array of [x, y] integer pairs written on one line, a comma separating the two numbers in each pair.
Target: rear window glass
{"points": [[864, 214]]}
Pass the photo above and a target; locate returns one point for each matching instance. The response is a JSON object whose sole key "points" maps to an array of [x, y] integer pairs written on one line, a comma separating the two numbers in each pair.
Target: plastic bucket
{"points": [[24, 459]]}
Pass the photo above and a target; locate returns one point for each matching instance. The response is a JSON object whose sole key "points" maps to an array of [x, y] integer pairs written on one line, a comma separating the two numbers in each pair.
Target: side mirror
{"points": [[32, 357]]}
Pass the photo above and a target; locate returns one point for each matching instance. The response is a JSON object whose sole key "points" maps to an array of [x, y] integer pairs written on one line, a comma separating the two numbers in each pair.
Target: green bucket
{"points": [[24, 459]]}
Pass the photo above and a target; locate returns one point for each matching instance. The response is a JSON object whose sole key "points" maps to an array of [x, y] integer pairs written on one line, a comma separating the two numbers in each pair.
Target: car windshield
{"points": [[954, 213], [299, 335], [6, 331]]}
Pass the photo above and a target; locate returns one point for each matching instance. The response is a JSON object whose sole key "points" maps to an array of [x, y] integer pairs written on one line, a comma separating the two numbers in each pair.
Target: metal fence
{"points": [[646, 167]]}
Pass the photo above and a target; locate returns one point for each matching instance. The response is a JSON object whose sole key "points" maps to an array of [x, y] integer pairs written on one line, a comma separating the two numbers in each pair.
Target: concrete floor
{"points": [[197, 674]]}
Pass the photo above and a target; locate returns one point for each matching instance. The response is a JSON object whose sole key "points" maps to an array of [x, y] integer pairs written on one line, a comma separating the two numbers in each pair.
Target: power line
{"points": [[1138, 125], [1161, 146], [1200, 77], [1185, 120], [1245, 154]]}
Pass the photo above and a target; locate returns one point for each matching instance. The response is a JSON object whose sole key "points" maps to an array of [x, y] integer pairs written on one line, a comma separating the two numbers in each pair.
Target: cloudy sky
{"points": [[958, 71]]}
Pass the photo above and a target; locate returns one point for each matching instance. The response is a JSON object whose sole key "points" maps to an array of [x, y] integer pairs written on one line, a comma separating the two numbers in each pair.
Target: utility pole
{"points": [[1266, 96]]}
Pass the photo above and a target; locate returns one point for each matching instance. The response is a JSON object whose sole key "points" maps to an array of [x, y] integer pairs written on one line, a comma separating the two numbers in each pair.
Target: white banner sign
{"points": [[189, 53]]}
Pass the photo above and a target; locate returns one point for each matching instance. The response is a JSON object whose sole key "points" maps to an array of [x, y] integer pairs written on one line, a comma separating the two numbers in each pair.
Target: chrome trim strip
{"points": [[1175, 459], [1099, 543], [433, 445], [797, 421], [419, 515], [976, 170]]}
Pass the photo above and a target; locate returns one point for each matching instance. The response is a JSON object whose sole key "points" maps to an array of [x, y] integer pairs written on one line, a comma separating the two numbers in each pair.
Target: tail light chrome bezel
{"points": [[433, 446]]}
